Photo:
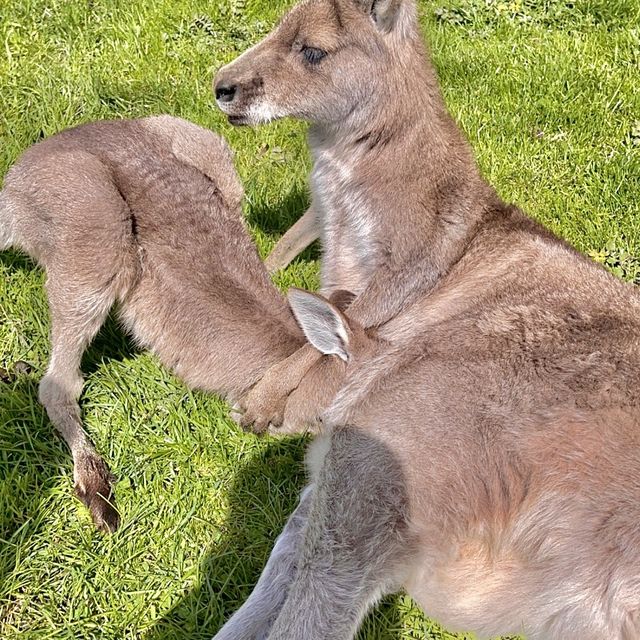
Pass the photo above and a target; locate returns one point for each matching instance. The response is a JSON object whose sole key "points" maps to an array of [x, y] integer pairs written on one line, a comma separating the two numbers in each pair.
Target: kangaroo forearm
{"points": [[313, 395], [285, 376], [265, 403], [294, 241]]}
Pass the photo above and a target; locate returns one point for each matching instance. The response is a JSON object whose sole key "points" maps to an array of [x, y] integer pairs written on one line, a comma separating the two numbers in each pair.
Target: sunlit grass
{"points": [[548, 96]]}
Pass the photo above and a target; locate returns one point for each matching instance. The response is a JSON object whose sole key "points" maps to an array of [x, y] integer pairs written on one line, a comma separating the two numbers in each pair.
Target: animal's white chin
{"points": [[261, 113], [257, 113]]}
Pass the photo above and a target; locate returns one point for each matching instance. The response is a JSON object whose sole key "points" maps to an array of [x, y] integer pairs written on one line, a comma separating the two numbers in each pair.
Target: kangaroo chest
{"points": [[343, 205]]}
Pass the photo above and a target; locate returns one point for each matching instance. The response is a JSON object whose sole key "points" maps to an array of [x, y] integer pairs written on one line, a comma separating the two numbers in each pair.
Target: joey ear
{"points": [[383, 12], [324, 326]]}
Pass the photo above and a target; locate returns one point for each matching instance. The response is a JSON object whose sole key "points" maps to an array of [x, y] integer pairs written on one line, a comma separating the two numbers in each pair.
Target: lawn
{"points": [[548, 93]]}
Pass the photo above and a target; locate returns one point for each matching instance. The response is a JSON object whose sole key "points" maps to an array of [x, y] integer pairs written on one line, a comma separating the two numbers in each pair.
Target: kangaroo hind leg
{"points": [[203, 150], [356, 546], [76, 317], [92, 262], [254, 619]]}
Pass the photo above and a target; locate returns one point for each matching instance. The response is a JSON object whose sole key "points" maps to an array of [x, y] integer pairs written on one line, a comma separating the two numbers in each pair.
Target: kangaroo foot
{"points": [[94, 488]]}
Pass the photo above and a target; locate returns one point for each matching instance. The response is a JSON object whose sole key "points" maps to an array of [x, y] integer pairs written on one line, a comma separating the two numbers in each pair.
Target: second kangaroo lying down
{"points": [[146, 214]]}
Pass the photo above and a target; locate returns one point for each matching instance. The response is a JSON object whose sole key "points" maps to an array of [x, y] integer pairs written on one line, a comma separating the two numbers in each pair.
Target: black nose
{"points": [[225, 93]]}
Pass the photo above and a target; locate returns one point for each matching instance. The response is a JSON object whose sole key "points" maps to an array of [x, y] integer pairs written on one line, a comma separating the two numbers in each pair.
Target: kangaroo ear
{"points": [[322, 323], [383, 12], [342, 298]]}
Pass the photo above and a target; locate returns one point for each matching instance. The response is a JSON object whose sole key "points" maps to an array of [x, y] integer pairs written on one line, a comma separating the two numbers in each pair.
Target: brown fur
{"points": [[395, 190], [146, 214], [484, 446], [485, 460]]}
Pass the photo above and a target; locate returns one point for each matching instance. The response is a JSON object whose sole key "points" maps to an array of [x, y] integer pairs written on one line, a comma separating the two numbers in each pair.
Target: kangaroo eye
{"points": [[313, 55]]}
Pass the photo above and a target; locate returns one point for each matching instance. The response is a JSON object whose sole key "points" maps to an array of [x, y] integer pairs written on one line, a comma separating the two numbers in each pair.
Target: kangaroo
{"points": [[483, 452], [146, 214], [483, 455], [396, 194]]}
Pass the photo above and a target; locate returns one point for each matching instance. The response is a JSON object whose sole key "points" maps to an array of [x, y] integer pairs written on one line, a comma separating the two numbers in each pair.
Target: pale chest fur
{"points": [[343, 205]]}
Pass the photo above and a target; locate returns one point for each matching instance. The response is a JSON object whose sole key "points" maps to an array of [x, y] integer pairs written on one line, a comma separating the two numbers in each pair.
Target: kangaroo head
{"points": [[328, 329], [326, 61]]}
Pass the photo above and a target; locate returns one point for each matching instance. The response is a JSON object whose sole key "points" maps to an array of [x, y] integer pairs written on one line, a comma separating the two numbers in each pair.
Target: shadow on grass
{"points": [[263, 495], [276, 218], [264, 492], [17, 260], [111, 343], [31, 456]]}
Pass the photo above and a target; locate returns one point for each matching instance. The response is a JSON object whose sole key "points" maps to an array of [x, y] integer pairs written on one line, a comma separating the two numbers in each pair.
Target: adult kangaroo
{"points": [[395, 190], [483, 455], [145, 214]]}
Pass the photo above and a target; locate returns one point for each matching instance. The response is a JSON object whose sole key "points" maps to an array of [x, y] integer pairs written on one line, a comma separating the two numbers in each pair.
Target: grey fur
{"points": [[481, 446], [146, 214], [396, 195], [483, 455]]}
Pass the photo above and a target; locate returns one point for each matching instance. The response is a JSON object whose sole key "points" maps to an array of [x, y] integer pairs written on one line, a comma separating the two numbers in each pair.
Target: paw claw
{"points": [[260, 423], [250, 424]]}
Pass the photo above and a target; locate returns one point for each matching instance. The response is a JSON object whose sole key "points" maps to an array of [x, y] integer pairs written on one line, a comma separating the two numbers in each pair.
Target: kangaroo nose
{"points": [[226, 92]]}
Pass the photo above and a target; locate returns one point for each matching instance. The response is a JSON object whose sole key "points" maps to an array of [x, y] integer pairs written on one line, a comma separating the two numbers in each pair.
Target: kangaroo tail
{"points": [[7, 231]]}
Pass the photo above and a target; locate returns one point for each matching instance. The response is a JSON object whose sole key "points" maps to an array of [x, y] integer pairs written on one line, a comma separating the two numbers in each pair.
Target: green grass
{"points": [[548, 94]]}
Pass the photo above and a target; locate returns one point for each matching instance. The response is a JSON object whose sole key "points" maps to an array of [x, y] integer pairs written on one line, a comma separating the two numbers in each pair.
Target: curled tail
{"points": [[7, 231]]}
